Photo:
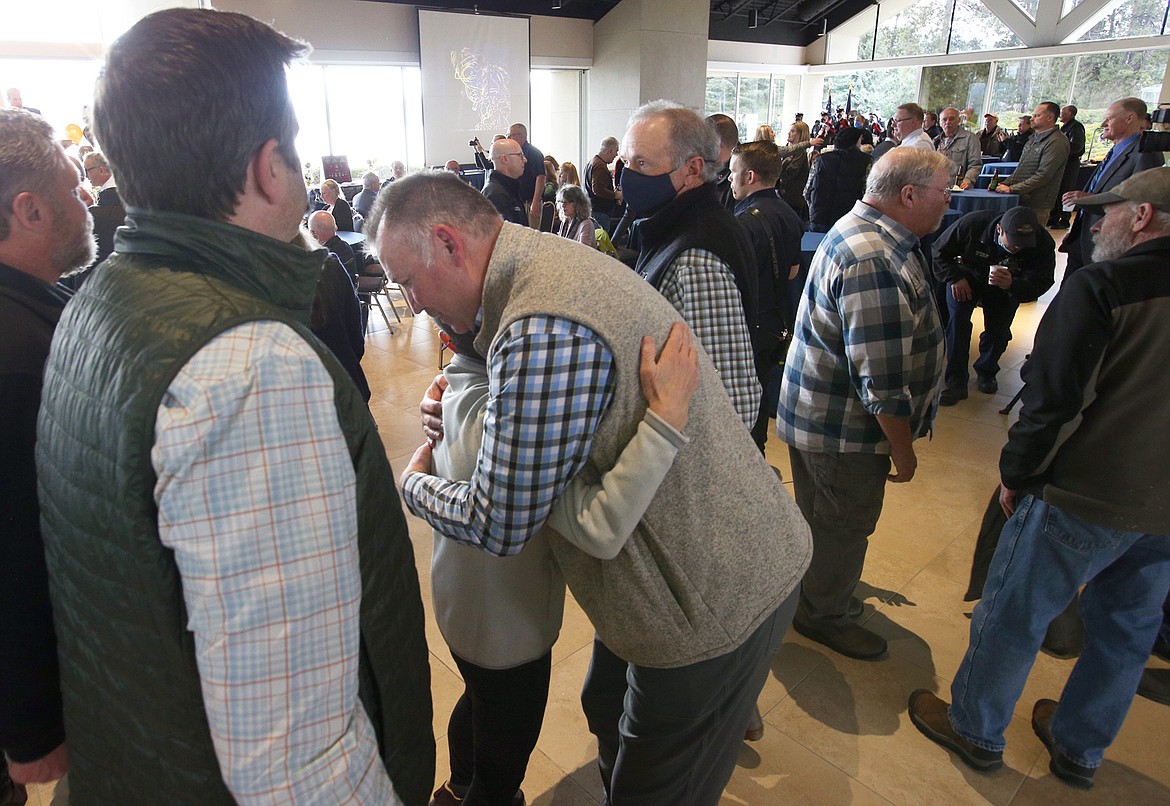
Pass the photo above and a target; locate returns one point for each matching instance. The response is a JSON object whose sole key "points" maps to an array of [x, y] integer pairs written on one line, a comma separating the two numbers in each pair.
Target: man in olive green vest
{"points": [[236, 601]]}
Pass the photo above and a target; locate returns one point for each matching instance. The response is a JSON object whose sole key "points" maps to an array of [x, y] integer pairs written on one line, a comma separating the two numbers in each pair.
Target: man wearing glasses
{"points": [[97, 171], [908, 119], [861, 383], [503, 186]]}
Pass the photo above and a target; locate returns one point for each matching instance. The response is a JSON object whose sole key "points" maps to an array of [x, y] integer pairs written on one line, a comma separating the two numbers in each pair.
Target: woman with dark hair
{"points": [[577, 223], [837, 180]]}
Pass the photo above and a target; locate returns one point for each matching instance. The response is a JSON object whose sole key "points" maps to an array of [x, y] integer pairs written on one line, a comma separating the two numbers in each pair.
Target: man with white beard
{"points": [[1084, 476]]}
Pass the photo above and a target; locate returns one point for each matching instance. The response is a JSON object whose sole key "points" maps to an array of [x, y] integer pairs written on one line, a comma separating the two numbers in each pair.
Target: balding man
{"points": [[1074, 131], [533, 179], [1123, 124], [599, 181], [323, 228], [502, 187], [692, 608], [1084, 479], [16, 101], [861, 383], [45, 232], [960, 147], [693, 250]]}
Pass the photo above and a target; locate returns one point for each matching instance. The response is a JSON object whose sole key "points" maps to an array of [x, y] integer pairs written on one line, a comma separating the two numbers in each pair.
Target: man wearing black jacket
{"points": [[997, 261], [502, 188], [1074, 130], [775, 231], [1084, 476], [45, 231]]}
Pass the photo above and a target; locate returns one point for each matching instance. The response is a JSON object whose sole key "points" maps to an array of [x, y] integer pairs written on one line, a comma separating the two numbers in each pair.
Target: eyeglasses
{"points": [[93, 168], [510, 155], [946, 192]]}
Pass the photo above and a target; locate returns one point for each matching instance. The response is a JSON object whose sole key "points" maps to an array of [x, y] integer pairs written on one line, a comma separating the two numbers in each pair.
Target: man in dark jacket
{"points": [[45, 231], [1084, 476], [1123, 124], [692, 249], [837, 181], [237, 609], [1074, 130], [1013, 146], [775, 231], [994, 260], [502, 188]]}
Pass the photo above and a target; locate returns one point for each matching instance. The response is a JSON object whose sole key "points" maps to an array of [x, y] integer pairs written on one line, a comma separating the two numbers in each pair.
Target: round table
{"points": [[966, 201]]}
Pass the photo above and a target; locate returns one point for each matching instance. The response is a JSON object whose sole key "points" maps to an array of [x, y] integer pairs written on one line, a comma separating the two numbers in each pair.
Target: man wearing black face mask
{"points": [[693, 250]]}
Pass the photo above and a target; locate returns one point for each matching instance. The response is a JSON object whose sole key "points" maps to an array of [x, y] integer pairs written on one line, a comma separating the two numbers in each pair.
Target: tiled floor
{"points": [[837, 728]]}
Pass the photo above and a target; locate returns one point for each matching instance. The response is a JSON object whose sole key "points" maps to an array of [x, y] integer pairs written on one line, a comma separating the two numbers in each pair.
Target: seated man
{"points": [[365, 197], [323, 228], [997, 261]]}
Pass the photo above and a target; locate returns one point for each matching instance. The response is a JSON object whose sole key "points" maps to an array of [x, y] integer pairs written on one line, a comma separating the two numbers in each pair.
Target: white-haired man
{"points": [[861, 382], [692, 249]]}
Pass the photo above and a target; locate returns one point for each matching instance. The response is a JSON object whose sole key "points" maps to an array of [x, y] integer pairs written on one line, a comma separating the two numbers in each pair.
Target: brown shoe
{"points": [[1061, 765], [929, 714]]}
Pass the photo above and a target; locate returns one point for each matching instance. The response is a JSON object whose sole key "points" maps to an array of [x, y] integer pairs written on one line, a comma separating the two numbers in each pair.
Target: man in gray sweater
{"points": [[1037, 178], [695, 604]]}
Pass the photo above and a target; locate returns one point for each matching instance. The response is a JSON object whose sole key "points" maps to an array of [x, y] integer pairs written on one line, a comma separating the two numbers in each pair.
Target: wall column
{"points": [[644, 50]]}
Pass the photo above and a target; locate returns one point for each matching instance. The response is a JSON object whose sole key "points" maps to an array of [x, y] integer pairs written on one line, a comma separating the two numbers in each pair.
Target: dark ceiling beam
{"points": [[735, 9]]}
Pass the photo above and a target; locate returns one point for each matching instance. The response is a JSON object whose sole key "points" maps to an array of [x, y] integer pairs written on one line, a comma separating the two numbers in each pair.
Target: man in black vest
{"points": [[237, 610], [502, 188], [775, 231], [693, 251], [45, 232]]}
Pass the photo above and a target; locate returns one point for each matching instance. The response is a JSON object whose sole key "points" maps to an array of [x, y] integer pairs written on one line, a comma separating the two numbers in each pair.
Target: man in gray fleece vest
{"points": [[692, 609]]}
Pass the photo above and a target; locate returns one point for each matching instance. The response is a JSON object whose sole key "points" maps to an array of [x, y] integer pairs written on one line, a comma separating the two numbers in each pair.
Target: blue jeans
{"points": [[999, 310], [1044, 556]]}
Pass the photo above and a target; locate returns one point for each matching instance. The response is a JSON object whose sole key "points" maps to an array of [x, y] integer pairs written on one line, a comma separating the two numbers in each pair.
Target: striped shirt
{"points": [[256, 497], [867, 340], [550, 380], [702, 289]]}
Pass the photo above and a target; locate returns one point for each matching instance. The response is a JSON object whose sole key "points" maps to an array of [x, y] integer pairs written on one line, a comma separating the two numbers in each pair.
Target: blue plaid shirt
{"points": [[867, 340], [550, 381]]}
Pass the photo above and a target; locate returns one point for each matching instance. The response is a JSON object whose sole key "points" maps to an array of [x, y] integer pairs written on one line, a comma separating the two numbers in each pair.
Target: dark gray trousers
{"points": [[840, 495], [673, 735]]}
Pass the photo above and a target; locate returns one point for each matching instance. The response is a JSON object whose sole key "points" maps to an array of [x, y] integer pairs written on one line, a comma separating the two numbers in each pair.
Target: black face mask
{"points": [[646, 195]]}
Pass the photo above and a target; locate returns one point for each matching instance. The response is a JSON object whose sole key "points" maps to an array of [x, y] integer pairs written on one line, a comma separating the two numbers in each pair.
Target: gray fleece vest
{"points": [[722, 544]]}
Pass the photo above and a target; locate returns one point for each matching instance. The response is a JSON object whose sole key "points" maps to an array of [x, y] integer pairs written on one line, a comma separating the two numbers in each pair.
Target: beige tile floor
{"points": [[837, 729]]}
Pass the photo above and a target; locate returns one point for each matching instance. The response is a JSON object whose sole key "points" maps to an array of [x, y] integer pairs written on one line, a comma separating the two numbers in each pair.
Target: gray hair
{"points": [[371, 181], [902, 167], [418, 202], [690, 136], [28, 159], [574, 194], [609, 143]]}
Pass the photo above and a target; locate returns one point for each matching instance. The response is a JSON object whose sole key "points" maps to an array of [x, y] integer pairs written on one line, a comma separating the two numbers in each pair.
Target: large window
{"points": [[750, 100], [975, 28], [1022, 83], [853, 40], [912, 28], [60, 88], [370, 114], [878, 91], [556, 115], [1131, 18], [963, 86]]}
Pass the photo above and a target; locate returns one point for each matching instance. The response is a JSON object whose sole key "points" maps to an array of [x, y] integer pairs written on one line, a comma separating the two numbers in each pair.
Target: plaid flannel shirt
{"points": [[867, 340], [256, 496], [550, 381], [702, 289]]}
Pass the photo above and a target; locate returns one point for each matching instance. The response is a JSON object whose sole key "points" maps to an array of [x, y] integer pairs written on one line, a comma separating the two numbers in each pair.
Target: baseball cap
{"points": [[1019, 226], [1151, 186]]}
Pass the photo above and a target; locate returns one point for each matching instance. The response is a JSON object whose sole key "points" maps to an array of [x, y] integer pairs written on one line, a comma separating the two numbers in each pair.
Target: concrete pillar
{"points": [[644, 50]]}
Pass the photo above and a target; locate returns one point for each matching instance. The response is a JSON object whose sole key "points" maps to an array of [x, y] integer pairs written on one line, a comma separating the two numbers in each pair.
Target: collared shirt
{"points": [[963, 152], [918, 139], [256, 497], [550, 380], [702, 289], [867, 340]]}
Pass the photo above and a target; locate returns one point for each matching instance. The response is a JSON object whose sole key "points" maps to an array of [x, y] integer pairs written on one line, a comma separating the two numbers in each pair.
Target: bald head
{"points": [[322, 226], [508, 158]]}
